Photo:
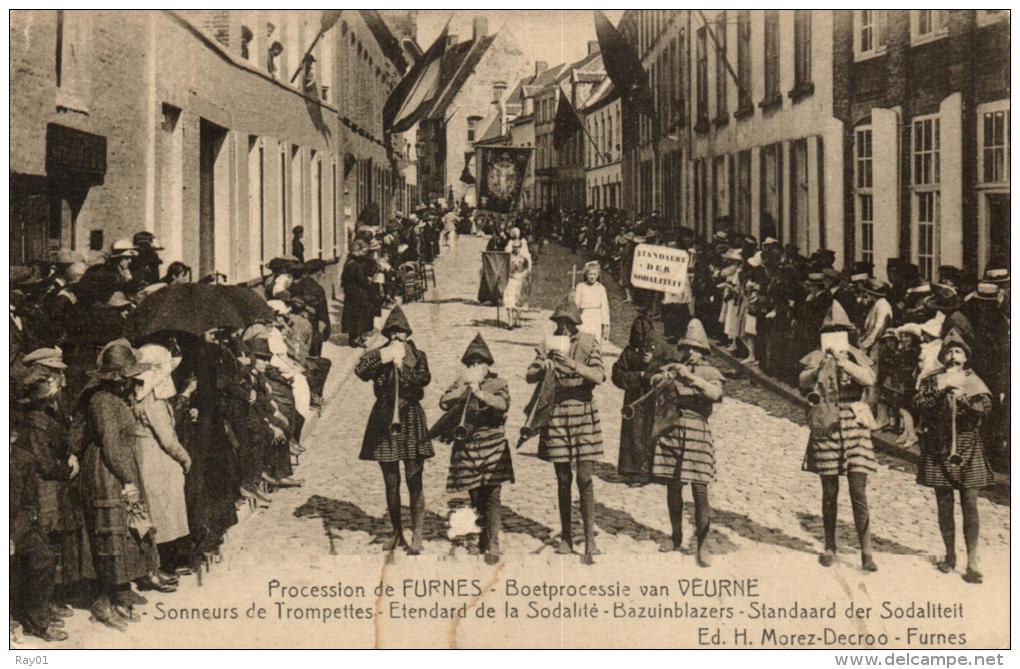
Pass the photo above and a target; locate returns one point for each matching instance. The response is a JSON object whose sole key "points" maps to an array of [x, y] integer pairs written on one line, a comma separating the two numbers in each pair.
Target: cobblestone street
{"points": [[766, 512]]}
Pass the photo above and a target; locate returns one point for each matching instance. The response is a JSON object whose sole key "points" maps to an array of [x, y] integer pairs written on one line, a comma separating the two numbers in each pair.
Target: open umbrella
{"points": [[251, 305], [187, 307]]}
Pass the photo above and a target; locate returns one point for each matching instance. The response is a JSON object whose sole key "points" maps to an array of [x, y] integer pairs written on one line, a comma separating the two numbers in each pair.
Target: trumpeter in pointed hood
{"points": [[695, 337], [477, 350], [397, 322]]}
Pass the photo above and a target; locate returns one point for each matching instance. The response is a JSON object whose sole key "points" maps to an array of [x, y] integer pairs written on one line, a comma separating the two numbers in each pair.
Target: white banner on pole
{"points": [[660, 268]]}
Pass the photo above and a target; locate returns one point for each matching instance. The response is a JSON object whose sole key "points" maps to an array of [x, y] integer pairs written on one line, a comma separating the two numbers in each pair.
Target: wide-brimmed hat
{"points": [[986, 290], [695, 337], [259, 347], [954, 338], [123, 248], [861, 271], [733, 255], [477, 349], [997, 275], [397, 321], [118, 360], [158, 378], [567, 310], [816, 278], [51, 357], [118, 300], [836, 319]]}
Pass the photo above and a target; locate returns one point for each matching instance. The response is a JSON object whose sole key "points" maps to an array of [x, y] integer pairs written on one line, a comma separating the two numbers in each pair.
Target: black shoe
{"points": [[152, 583], [131, 598], [50, 634]]}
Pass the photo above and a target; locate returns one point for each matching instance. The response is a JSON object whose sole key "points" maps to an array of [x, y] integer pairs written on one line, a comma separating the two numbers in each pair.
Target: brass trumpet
{"points": [[463, 431], [954, 457], [630, 410], [395, 426]]}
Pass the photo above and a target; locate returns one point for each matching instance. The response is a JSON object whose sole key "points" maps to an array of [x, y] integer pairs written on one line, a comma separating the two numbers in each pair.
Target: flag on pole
{"points": [[623, 65], [329, 18], [406, 104], [566, 123]]}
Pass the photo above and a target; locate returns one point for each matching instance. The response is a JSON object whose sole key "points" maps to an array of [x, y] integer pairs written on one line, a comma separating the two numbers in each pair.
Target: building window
{"points": [[927, 25], [863, 194], [802, 48], [721, 75], [772, 184], [701, 93], [771, 57], [994, 132], [925, 179], [869, 33], [720, 201], [73, 53], [472, 127], [743, 192], [744, 59]]}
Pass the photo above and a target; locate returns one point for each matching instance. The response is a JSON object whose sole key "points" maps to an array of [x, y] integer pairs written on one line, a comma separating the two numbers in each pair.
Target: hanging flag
{"points": [[501, 174], [466, 176], [406, 104], [495, 274], [567, 122], [329, 18], [623, 65]]}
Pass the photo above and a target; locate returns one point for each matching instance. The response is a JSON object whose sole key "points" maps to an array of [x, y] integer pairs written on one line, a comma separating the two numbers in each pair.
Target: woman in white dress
{"points": [[590, 297], [524, 296], [519, 268], [163, 461]]}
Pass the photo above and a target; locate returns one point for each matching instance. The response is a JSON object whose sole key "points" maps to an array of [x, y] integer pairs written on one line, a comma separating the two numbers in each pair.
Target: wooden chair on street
{"points": [[428, 272], [410, 282]]}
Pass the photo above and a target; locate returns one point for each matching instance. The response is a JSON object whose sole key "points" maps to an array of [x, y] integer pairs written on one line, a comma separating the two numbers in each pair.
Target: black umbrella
{"points": [[188, 307], [253, 307]]}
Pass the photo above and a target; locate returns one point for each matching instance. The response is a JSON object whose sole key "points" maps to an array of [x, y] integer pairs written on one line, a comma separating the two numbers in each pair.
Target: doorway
{"points": [[998, 226], [211, 209]]}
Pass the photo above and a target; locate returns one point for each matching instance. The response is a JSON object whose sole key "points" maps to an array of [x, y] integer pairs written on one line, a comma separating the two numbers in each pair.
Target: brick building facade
{"points": [[187, 124], [877, 134]]}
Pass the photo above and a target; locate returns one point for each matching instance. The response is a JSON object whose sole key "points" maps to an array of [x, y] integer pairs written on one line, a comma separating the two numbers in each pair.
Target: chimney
{"points": [[451, 39], [540, 67], [479, 27], [593, 46]]}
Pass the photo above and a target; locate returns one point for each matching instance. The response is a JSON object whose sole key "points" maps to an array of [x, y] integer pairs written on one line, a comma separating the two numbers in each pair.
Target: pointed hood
{"points": [[954, 338], [695, 337], [397, 321], [836, 319], [567, 309], [478, 349]]}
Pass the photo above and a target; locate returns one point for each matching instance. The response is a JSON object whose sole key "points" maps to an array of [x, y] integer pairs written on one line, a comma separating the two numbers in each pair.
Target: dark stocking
{"points": [[675, 505], [971, 527], [859, 501], [830, 497], [702, 519], [585, 485], [413, 469], [391, 477], [564, 477], [493, 517], [947, 526]]}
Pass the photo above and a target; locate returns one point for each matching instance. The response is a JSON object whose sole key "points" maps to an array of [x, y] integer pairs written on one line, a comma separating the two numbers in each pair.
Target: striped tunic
{"points": [[574, 431], [934, 469], [848, 449], [484, 458], [685, 452], [412, 441]]}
